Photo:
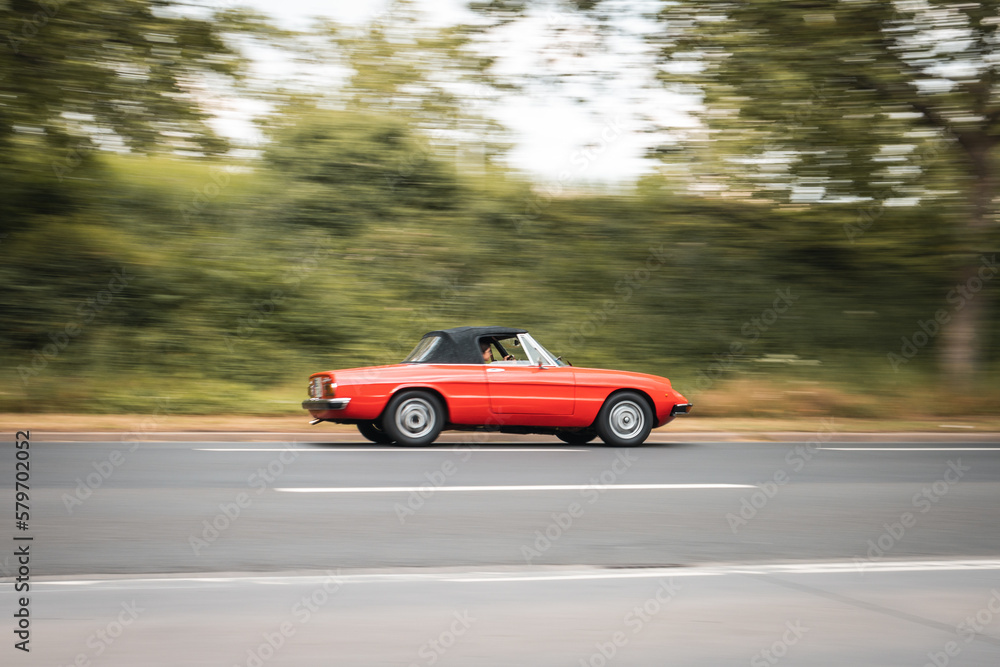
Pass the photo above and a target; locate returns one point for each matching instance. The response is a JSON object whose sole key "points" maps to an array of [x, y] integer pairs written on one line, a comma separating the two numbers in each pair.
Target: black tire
{"points": [[625, 420], [413, 418], [373, 431], [576, 437]]}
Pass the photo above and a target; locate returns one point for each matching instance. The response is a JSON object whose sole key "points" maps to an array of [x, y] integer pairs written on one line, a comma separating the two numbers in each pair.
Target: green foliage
{"points": [[218, 283], [129, 66], [875, 101], [871, 99], [343, 169], [228, 307]]}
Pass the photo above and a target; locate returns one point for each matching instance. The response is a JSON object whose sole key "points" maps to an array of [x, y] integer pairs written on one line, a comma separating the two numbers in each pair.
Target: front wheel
{"points": [[413, 418], [373, 431], [625, 420]]}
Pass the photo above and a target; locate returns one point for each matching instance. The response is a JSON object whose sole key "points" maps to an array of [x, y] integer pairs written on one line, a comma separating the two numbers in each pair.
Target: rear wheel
{"points": [[373, 431], [581, 437], [413, 418], [625, 420]]}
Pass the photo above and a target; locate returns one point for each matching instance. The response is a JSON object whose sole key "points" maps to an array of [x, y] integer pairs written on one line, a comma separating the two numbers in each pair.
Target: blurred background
{"points": [[786, 208]]}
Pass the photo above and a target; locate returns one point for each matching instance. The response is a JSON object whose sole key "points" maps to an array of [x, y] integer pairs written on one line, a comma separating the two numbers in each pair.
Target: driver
{"points": [[485, 346]]}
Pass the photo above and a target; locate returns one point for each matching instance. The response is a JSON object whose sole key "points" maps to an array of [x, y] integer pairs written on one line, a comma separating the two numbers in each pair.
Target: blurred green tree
{"points": [[71, 69], [433, 79], [125, 75], [872, 101], [344, 170]]}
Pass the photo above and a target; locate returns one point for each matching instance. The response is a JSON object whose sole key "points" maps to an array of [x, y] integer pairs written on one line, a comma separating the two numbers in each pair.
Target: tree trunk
{"points": [[960, 354], [961, 340]]}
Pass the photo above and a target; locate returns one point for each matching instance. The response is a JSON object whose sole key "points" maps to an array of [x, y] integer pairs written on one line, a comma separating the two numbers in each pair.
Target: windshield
{"points": [[559, 362], [423, 350]]}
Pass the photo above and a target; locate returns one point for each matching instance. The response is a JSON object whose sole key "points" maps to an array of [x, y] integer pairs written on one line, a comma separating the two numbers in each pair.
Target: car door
{"points": [[531, 390]]}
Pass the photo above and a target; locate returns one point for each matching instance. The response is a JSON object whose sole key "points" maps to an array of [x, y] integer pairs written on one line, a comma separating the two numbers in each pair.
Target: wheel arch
{"points": [[645, 395], [418, 387]]}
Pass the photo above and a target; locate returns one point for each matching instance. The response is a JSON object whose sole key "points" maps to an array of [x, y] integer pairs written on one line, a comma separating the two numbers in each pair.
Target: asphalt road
{"points": [[528, 553]]}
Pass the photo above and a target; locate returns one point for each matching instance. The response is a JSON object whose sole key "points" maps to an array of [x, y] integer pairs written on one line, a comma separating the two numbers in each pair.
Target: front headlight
{"points": [[321, 387]]}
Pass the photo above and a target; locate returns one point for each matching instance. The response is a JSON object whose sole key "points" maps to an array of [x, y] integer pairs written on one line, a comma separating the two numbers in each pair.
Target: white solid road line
{"points": [[723, 570], [911, 449], [508, 487], [523, 575], [388, 449]]}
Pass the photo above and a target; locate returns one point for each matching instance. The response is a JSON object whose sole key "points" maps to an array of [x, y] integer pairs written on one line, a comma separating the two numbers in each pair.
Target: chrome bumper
{"points": [[325, 403], [681, 409]]}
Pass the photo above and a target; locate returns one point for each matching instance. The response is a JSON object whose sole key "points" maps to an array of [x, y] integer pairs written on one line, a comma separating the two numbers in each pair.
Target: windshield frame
{"points": [[535, 351]]}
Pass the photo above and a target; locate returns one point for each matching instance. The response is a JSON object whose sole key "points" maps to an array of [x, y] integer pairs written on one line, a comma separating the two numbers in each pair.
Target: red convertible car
{"points": [[492, 378]]}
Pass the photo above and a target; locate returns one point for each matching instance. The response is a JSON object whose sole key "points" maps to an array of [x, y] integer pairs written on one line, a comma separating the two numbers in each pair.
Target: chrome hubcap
{"points": [[415, 417], [627, 420]]}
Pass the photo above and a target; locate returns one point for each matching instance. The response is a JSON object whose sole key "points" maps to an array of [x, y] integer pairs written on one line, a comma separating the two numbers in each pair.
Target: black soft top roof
{"points": [[461, 344]]}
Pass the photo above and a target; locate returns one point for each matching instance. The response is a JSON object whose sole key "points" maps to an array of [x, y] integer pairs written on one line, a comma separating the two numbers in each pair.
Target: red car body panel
{"points": [[496, 395]]}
